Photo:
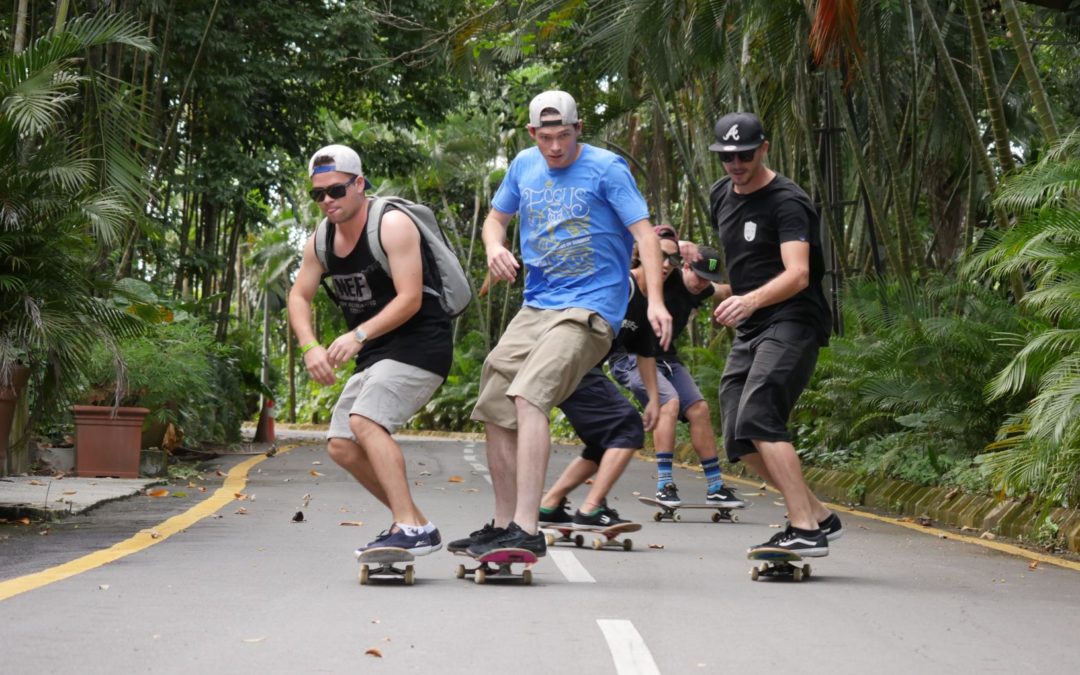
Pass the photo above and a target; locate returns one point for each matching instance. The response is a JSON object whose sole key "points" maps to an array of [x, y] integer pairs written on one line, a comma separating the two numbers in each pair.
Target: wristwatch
{"points": [[360, 335]]}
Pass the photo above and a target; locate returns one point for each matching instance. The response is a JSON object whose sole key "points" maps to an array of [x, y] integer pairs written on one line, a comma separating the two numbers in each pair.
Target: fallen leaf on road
{"points": [[965, 528], [240, 496], [471, 490], [103, 587], [202, 489], [317, 463], [779, 504], [69, 492], [588, 481], [925, 521], [36, 482], [636, 493], [990, 536], [418, 483], [315, 473], [23, 521], [192, 486], [158, 492], [45, 532], [905, 519], [373, 652], [863, 527], [154, 534], [455, 479], [241, 511], [1033, 564], [254, 640], [660, 546], [375, 621], [763, 486], [753, 494], [425, 473], [776, 525], [219, 472], [298, 517], [352, 523], [179, 494]]}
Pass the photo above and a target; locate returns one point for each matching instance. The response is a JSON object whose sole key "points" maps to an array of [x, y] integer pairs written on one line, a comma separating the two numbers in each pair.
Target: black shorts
{"points": [[602, 417], [764, 376]]}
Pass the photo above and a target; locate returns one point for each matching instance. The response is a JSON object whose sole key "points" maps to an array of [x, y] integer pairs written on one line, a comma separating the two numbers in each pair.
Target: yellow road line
{"points": [[235, 481], [986, 543]]}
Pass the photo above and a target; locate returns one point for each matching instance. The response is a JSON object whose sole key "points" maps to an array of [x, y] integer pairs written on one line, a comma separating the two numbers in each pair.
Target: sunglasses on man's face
{"points": [[673, 259], [336, 191], [744, 156]]}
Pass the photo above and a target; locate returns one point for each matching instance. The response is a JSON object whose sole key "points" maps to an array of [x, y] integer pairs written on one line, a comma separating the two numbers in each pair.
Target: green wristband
{"points": [[308, 347]]}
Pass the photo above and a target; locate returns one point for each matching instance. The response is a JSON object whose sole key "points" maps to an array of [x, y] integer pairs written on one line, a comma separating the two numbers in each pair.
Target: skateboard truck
{"points": [[498, 565], [378, 563]]}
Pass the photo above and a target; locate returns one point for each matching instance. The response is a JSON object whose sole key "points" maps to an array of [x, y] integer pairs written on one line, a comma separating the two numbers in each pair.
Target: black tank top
{"points": [[363, 289]]}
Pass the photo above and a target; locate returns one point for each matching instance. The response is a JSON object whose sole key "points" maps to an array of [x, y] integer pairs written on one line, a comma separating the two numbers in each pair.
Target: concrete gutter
{"points": [[47, 498]]}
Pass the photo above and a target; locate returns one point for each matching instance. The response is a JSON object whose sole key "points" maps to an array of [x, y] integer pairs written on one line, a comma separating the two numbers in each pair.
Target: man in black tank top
{"points": [[399, 338], [770, 234]]}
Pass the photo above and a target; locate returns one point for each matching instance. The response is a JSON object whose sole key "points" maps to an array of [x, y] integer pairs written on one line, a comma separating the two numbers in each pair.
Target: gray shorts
{"points": [[673, 380], [388, 393]]}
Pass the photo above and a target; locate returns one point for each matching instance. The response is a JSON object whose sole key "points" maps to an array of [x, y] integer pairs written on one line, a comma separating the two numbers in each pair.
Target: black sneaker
{"points": [[669, 495], [726, 498], [512, 537], [831, 527], [557, 516], [605, 517], [484, 534], [807, 543]]}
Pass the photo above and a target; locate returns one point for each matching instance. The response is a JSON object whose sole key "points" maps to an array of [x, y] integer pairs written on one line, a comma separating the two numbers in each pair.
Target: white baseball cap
{"points": [[558, 100], [345, 160]]}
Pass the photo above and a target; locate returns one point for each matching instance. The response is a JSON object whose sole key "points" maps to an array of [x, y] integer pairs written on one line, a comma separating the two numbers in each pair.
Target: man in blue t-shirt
{"points": [[580, 213]]}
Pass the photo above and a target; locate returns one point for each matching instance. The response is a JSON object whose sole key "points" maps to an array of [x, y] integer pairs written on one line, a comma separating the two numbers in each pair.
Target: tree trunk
{"points": [[21, 17], [998, 125], [1031, 72]]}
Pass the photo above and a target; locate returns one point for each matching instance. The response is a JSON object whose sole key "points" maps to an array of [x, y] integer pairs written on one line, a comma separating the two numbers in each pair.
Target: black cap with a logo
{"points": [[709, 265], [738, 131]]}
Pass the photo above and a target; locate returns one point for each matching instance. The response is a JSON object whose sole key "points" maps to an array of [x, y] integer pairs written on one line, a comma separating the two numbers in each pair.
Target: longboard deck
{"points": [[608, 535], [776, 562], [498, 564], [378, 563], [667, 512]]}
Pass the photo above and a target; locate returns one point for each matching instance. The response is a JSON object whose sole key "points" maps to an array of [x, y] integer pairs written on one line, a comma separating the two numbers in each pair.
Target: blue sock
{"points": [[712, 473], [663, 469]]}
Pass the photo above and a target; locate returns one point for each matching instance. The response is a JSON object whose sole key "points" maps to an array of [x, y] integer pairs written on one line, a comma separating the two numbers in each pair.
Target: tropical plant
{"points": [[1038, 449], [66, 192]]}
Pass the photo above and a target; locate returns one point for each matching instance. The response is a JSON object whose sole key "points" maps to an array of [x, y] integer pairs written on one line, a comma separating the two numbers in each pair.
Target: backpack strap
{"points": [[324, 238]]}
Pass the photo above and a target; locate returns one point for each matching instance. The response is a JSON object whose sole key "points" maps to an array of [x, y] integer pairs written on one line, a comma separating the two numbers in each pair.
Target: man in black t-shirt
{"points": [[399, 338], [770, 235]]}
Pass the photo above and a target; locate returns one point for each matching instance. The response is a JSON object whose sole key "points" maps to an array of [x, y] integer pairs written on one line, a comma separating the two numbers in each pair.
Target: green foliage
{"points": [[904, 396]]}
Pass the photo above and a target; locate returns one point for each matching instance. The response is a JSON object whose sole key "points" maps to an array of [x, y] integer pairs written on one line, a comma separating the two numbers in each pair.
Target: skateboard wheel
{"points": [[658, 516], [550, 539], [460, 573], [596, 544], [797, 574], [579, 540], [526, 577], [677, 517], [734, 519], [627, 545], [364, 575], [716, 517], [480, 575], [806, 571], [754, 574], [410, 576]]}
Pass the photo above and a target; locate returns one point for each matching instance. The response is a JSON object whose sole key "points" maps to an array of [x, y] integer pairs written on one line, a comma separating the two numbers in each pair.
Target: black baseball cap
{"points": [[709, 265], [738, 131]]}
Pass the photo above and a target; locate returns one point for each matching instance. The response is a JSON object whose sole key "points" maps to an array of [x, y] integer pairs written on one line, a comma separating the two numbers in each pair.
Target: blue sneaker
{"points": [[421, 544]]}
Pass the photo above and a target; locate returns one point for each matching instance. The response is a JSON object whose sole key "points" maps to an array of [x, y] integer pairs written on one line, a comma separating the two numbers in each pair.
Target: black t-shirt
{"points": [[636, 335], [363, 289], [681, 304], [751, 229]]}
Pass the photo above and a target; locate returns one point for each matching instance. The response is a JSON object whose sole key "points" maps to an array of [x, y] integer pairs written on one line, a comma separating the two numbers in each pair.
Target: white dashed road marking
{"points": [[570, 566], [628, 650]]}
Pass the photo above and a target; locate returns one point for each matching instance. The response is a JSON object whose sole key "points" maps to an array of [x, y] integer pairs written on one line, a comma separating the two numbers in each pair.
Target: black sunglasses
{"points": [[335, 191], [744, 156], [673, 259]]}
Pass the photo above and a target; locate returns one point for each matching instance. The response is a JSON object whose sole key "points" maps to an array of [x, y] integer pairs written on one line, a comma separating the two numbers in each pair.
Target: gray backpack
{"points": [[454, 294]]}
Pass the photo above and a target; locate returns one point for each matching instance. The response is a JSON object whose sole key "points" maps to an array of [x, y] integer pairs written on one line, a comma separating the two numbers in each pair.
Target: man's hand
{"points": [[502, 264], [318, 366], [651, 415], [734, 310], [689, 251], [660, 320], [343, 349]]}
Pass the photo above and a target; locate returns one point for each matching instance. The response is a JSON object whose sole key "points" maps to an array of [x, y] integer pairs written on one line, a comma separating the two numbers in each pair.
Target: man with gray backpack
{"points": [[384, 263]]}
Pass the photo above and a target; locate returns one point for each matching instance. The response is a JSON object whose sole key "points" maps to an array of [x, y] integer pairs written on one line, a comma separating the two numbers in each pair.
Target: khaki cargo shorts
{"points": [[541, 357], [387, 392]]}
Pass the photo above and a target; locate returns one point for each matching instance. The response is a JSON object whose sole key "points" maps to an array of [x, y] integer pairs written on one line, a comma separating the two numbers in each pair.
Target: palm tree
{"points": [[1039, 449], [61, 203]]}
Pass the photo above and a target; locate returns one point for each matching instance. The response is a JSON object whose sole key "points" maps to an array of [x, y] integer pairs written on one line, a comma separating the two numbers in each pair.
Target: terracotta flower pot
{"points": [[9, 398], [108, 444]]}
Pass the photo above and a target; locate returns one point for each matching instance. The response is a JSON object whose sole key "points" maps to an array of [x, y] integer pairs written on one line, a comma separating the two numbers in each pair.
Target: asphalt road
{"points": [[251, 591]]}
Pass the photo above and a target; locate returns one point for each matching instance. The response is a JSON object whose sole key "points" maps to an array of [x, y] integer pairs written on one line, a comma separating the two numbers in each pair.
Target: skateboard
{"points": [[378, 563], [609, 535], [498, 564], [671, 512], [776, 562]]}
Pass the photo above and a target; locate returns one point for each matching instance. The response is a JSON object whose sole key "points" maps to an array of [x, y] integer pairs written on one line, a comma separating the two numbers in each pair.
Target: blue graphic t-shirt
{"points": [[575, 240]]}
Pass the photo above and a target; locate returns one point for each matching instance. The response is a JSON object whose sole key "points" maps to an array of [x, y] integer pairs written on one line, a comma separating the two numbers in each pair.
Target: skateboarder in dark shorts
{"points": [[770, 234], [608, 425], [680, 398]]}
